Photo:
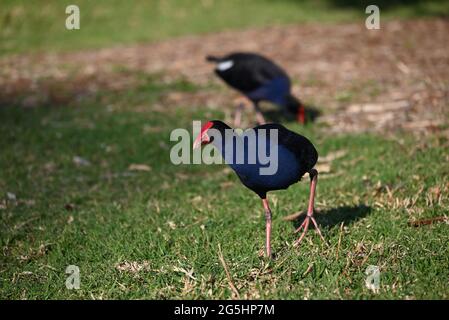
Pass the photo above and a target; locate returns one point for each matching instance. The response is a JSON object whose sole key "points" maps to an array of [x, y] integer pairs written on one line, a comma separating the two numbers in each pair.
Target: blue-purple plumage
{"points": [[295, 155]]}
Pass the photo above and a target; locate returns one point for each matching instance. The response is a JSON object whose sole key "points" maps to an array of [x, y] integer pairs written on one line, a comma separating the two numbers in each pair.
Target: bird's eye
{"points": [[211, 139]]}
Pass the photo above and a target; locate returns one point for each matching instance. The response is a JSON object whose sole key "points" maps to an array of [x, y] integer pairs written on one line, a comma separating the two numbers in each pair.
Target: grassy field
{"points": [[155, 233], [40, 26], [86, 177]]}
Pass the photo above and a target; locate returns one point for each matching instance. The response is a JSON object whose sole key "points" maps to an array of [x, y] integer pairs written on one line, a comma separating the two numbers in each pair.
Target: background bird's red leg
{"points": [[241, 103], [238, 115], [259, 116], [313, 182], [268, 227]]}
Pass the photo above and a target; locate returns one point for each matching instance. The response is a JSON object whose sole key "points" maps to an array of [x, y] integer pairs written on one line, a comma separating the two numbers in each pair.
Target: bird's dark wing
{"points": [[299, 145], [248, 71]]}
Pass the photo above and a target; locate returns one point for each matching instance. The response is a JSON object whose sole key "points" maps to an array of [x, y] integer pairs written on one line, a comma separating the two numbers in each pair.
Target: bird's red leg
{"points": [[313, 181], [266, 206]]}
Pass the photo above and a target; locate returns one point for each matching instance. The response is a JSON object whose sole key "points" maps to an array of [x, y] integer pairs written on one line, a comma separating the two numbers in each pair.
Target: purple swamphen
{"points": [[258, 79], [295, 155]]}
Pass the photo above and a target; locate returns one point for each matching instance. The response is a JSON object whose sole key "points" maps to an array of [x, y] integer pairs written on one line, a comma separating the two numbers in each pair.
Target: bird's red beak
{"points": [[301, 115], [203, 137]]}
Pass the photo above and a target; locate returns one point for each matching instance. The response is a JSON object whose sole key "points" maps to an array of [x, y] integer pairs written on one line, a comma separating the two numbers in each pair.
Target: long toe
{"points": [[301, 226], [318, 229], [303, 234]]}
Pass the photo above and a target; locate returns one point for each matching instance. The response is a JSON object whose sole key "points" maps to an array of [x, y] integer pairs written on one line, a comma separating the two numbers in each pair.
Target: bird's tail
{"points": [[213, 58]]}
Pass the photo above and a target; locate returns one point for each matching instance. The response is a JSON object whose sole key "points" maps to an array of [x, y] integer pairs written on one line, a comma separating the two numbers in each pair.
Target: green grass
{"points": [[175, 217], [33, 25]]}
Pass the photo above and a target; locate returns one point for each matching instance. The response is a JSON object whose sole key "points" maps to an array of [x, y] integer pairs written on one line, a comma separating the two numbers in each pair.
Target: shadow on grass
{"points": [[335, 216]]}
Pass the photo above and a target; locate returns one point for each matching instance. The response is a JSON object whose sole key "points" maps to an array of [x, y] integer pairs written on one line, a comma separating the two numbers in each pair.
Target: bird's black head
{"points": [[203, 137], [295, 107]]}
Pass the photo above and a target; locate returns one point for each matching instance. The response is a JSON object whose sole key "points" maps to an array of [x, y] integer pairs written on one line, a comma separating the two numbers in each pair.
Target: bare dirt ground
{"points": [[362, 80]]}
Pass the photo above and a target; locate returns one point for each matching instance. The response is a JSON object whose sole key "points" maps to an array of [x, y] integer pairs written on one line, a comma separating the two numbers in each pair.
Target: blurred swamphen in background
{"points": [[258, 79], [295, 155]]}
